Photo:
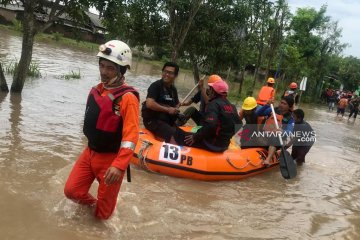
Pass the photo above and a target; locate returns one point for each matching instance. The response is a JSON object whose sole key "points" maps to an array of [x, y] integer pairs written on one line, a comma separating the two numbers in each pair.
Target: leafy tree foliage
{"points": [[217, 36]]}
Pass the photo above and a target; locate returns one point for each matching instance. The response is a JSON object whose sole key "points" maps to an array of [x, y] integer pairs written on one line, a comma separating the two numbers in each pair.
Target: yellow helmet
{"points": [[270, 80], [249, 103]]}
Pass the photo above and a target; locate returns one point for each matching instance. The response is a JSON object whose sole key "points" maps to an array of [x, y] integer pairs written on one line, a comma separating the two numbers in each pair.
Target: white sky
{"points": [[346, 12]]}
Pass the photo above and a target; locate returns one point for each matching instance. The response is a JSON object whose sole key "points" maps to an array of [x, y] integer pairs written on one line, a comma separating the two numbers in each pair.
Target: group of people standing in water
{"points": [[343, 99], [111, 124]]}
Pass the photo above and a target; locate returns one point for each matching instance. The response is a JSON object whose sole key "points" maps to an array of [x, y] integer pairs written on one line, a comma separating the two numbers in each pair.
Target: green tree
{"points": [[349, 73], [313, 42], [278, 25], [262, 11], [181, 15], [148, 22], [140, 23], [213, 42]]}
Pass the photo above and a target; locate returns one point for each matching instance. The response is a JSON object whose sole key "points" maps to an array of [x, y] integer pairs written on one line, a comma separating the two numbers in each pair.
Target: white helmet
{"points": [[116, 51]]}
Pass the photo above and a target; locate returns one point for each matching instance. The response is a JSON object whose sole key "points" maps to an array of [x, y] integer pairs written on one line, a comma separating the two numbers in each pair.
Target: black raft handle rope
{"points": [[128, 173]]}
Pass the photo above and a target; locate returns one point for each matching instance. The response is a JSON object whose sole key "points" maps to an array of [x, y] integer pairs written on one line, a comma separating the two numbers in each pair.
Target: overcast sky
{"points": [[346, 12]]}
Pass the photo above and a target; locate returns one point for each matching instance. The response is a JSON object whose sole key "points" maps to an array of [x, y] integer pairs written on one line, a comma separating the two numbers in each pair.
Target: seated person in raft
{"points": [[221, 121], [201, 96], [286, 124], [160, 109], [252, 123]]}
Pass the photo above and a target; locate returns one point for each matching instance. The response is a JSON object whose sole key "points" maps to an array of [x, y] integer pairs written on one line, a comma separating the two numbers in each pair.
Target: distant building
{"points": [[92, 30], [10, 12]]}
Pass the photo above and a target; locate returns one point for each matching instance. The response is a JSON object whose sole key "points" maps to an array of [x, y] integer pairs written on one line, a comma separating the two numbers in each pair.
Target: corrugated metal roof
{"points": [[12, 7], [95, 19]]}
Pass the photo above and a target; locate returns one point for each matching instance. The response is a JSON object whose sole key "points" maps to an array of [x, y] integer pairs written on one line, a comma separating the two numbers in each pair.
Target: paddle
{"points": [[191, 91], [287, 165]]}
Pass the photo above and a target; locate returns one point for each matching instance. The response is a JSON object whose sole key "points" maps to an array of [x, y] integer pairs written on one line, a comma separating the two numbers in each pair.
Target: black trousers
{"points": [[165, 130], [354, 111]]}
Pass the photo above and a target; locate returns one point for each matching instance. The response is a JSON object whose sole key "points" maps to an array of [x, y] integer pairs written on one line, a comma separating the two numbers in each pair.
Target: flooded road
{"points": [[41, 137]]}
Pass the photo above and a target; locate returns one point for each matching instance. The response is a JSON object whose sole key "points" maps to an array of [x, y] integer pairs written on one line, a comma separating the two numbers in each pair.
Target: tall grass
{"points": [[71, 75], [17, 25], [57, 36], [34, 68]]}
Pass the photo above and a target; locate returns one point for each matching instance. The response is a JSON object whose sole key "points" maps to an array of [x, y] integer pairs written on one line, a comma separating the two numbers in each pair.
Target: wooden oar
{"points": [[191, 91], [287, 164]]}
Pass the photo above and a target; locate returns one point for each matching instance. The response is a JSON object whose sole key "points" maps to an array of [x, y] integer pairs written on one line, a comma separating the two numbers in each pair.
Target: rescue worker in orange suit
{"points": [[220, 123], [191, 112], [111, 126], [285, 120], [292, 92], [252, 123], [266, 92]]}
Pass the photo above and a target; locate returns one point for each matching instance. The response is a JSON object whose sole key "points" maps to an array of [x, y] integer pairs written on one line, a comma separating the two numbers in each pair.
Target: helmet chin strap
{"points": [[115, 82], [112, 80]]}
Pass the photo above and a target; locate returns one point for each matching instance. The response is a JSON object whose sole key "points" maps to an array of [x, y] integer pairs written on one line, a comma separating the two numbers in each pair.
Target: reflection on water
{"points": [[41, 137]]}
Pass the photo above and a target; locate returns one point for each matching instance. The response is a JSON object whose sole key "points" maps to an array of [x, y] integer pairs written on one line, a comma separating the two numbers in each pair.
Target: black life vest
{"points": [[227, 120], [102, 123]]}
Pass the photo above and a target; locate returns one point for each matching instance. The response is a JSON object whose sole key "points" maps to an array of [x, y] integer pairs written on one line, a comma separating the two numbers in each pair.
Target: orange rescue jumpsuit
{"points": [[92, 164]]}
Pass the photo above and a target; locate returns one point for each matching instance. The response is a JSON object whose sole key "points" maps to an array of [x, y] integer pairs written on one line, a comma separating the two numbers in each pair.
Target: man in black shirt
{"points": [[160, 110], [354, 107], [304, 137]]}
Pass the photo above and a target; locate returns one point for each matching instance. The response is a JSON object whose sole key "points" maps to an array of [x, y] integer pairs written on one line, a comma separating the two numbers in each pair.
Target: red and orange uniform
{"points": [[111, 126]]}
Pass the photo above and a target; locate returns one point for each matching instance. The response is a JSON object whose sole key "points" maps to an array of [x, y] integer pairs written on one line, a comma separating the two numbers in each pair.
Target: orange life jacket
{"points": [[270, 125], [266, 93]]}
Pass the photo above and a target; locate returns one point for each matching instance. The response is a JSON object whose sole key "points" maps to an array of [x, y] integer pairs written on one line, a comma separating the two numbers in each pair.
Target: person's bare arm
{"points": [[153, 105]]}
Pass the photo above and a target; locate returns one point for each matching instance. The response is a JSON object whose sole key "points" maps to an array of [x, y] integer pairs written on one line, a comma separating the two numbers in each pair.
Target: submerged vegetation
{"points": [[17, 25], [71, 75], [34, 68]]}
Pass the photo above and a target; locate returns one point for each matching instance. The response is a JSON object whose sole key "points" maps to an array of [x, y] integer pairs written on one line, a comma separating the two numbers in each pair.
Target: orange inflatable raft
{"points": [[180, 161]]}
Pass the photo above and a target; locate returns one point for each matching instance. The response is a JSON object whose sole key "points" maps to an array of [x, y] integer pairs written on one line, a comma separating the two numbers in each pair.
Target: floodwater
{"points": [[41, 137]]}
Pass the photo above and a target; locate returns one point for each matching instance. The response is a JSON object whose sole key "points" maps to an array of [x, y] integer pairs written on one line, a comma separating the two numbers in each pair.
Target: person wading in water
{"points": [[111, 126]]}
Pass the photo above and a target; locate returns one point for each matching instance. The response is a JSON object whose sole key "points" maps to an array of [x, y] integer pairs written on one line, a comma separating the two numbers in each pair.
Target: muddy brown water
{"points": [[41, 137]]}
